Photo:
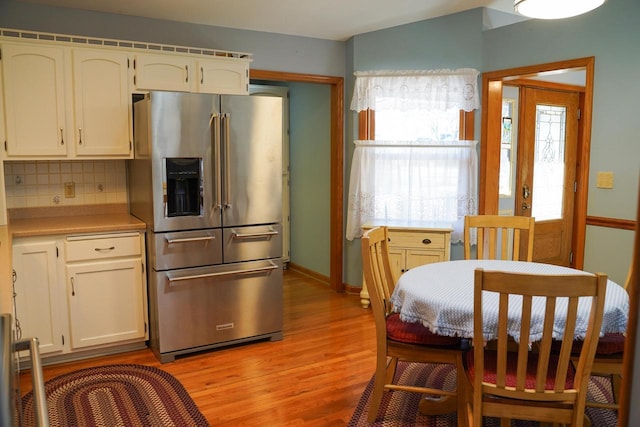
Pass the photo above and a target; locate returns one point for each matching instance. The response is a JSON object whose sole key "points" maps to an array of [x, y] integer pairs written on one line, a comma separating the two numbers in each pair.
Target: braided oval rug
{"points": [[116, 395]]}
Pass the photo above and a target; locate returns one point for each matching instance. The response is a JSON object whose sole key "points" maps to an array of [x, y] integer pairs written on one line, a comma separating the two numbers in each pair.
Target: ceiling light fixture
{"points": [[555, 9]]}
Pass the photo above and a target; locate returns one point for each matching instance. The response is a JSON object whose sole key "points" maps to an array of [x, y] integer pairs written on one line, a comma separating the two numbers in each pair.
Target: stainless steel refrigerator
{"points": [[206, 178]]}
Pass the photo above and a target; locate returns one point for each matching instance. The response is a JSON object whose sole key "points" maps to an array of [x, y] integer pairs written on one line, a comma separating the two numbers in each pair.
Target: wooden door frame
{"points": [[337, 162], [490, 143]]}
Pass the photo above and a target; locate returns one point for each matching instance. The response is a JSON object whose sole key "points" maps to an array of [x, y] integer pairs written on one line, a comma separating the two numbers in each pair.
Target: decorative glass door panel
{"points": [[549, 162]]}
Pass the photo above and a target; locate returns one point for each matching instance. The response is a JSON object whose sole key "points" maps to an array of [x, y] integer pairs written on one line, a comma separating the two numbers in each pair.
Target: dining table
{"points": [[440, 296]]}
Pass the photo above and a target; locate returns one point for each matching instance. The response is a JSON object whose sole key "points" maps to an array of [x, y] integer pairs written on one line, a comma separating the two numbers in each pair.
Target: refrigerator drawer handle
{"points": [[189, 239], [252, 235], [222, 273]]}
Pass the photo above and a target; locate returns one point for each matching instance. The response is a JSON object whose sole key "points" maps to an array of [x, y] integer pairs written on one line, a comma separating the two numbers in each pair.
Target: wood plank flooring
{"points": [[313, 377]]}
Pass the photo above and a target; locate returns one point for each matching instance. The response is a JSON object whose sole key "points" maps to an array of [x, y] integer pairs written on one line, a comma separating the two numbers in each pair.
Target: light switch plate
{"points": [[69, 190], [605, 180]]}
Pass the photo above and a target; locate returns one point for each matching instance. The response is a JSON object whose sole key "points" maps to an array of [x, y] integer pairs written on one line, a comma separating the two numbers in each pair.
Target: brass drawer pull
{"points": [[427, 241]]}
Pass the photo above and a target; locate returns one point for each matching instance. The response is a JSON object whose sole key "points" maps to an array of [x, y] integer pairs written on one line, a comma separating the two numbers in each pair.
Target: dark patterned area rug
{"points": [[400, 409], [116, 395]]}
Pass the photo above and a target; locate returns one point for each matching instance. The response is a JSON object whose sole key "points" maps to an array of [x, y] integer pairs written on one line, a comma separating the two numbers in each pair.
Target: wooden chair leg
{"points": [[392, 364], [462, 391], [616, 384], [378, 388]]}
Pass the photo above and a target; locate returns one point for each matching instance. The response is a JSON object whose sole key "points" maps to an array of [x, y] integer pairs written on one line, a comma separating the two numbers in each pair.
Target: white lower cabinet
{"points": [[105, 302], [91, 297], [412, 245], [39, 294]]}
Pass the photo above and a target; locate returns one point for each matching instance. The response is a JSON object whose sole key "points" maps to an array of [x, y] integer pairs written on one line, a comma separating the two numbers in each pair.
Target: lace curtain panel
{"points": [[423, 89], [410, 181]]}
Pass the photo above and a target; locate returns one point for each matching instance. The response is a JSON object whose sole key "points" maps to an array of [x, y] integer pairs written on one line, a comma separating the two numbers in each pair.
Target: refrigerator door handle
{"points": [[214, 124], [269, 233], [270, 267], [226, 126]]}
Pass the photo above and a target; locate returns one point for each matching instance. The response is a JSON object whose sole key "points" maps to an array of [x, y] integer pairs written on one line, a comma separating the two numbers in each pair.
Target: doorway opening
{"points": [[337, 162], [571, 76]]}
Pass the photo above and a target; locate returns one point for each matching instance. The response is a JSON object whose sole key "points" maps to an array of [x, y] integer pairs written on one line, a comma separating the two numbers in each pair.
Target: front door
{"points": [[546, 170]]}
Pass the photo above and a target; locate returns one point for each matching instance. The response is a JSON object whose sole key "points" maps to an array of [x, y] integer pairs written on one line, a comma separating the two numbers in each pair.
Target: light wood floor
{"points": [[313, 377]]}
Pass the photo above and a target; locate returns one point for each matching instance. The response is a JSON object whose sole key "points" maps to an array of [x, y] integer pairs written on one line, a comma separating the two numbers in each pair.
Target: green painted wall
{"points": [[310, 154], [610, 33]]}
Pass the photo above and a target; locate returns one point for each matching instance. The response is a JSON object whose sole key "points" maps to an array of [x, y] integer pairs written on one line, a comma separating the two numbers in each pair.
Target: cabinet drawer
{"points": [[93, 247], [416, 240]]}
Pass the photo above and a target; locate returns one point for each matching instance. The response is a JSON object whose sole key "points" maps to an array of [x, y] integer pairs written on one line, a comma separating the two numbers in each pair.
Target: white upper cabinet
{"points": [[3, 135], [217, 75], [69, 100], [163, 72], [103, 122], [65, 102], [34, 95], [220, 75]]}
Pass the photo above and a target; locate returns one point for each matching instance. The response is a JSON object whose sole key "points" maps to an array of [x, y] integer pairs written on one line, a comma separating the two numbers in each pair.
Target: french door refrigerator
{"points": [[206, 178]]}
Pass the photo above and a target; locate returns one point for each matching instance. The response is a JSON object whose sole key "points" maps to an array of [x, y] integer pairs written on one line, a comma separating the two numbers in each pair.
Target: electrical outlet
{"points": [[69, 190]]}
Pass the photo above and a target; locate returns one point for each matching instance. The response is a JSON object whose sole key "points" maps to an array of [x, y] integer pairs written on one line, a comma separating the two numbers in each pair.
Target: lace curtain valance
{"points": [[427, 89]]}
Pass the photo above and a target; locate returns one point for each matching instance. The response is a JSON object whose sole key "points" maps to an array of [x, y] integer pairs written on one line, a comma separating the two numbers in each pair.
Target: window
{"points": [[507, 154], [414, 163]]}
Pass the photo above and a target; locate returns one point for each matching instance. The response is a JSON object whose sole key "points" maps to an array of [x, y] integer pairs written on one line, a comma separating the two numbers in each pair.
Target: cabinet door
{"points": [[396, 259], [223, 76], [102, 103], [34, 98], [418, 257], [106, 302], [38, 302], [163, 72]]}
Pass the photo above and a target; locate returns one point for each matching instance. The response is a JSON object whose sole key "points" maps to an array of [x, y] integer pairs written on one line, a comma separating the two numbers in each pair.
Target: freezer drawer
{"points": [[182, 249], [199, 308], [252, 243]]}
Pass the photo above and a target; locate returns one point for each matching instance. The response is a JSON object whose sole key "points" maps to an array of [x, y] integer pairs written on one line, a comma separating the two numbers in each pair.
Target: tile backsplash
{"points": [[64, 183]]}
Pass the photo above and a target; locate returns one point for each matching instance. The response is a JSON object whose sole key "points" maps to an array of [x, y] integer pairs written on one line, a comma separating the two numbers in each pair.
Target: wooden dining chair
{"points": [[499, 236], [609, 357], [537, 385], [397, 340]]}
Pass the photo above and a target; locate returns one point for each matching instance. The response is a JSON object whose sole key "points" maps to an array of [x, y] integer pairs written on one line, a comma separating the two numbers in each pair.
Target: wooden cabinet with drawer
{"points": [[412, 245], [105, 289], [82, 295]]}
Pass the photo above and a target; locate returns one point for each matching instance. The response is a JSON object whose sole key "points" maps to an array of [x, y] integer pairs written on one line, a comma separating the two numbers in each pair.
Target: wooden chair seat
{"points": [[608, 345], [491, 370], [415, 333]]}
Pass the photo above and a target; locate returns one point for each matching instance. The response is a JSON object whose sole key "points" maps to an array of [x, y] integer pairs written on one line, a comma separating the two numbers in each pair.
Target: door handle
{"points": [[189, 239], [226, 126], [271, 266], [526, 192], [214, 125], [269, 233]]}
